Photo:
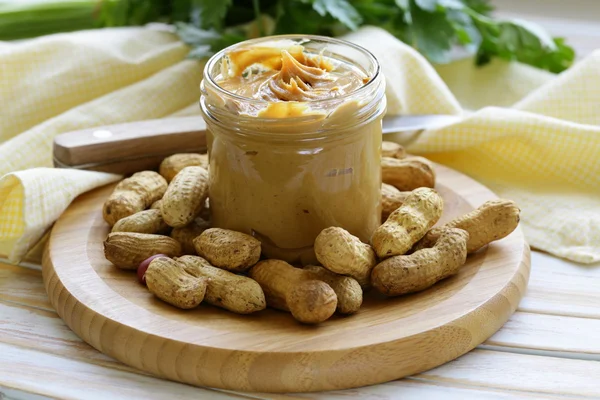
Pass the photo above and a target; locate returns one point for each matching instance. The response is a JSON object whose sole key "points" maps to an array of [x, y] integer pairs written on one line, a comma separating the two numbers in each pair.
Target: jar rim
{"points": [[261, 102]]}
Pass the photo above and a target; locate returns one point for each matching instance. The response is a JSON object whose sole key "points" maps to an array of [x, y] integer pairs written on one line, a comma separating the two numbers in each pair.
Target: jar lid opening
{"points": [[371, 67]]}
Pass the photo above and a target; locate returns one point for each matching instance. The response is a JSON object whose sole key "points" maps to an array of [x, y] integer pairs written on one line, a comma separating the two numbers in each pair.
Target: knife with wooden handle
{"points": [[136, 146], [129, 147]]}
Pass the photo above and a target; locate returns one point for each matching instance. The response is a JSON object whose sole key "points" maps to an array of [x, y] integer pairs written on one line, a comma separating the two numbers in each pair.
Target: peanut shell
{"points": [[168, 280], [185, 197], [127, 250], [226, 249]]}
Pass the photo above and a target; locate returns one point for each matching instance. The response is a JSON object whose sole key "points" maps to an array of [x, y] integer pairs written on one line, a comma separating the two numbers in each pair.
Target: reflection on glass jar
{"points": [[289, 168]]}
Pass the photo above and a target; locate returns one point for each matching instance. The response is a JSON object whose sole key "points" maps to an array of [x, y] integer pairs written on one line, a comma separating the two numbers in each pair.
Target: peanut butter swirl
{"points": [[288, 75]]}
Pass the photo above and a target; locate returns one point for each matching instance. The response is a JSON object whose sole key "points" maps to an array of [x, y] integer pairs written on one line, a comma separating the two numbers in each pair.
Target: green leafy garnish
{"points": [[436, 28], [524, 42], [205, 43], [340, 10], [209, 13]]}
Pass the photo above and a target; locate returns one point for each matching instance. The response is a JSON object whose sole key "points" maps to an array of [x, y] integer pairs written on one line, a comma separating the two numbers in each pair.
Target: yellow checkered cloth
{"points": [[530, 136]]}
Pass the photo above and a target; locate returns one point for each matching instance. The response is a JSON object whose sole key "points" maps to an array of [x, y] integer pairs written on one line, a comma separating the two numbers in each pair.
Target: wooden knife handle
{"points": [[129, 147]]}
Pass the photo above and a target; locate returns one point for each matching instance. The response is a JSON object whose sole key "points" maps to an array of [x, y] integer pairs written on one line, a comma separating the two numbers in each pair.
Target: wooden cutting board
{"points": [[269, 351]]}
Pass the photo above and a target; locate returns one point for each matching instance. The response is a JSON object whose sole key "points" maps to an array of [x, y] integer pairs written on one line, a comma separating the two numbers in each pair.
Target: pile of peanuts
{"points": [[161, 229]]}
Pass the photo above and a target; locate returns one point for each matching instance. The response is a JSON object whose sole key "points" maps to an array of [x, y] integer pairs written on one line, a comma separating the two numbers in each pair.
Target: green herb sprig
{"points": [[433, 27], [436, 28]]}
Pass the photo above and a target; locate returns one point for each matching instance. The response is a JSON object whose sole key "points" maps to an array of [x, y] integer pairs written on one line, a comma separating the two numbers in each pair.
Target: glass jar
{"points": [[315, 164]]}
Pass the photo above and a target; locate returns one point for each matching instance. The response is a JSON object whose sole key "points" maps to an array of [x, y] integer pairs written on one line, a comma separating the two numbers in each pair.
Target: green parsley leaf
{"points": [[403, 4], [434, 27], [465, 30], [427, 5], [205, 42], [524, 42], [208, 14], [433, 34], [295, 16], [482, 7], [340, 10], [451, 4]]}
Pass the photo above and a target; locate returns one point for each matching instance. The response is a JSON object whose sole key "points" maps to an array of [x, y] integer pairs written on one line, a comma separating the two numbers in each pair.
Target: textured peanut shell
{"points": [[168, 280], [230, 250], [312, 302], [127, 250], [391, 200], [185, 197], [147, 221], [348, 291], [342, 253], [415, 272], [132, 195], [286, 288], [407, 174], [172, 165], [409, 223], [188, 233], [236, 293], [492, 221], [156, 205], [392, 149]]}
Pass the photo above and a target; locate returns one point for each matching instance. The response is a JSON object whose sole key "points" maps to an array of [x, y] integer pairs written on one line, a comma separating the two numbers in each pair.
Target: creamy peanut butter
{"points": [[290, 74], [293, 160]]}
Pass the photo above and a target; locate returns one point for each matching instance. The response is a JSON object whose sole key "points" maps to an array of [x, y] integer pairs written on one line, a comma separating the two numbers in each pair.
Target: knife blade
{"points": [[410, 123], [135, 146]]}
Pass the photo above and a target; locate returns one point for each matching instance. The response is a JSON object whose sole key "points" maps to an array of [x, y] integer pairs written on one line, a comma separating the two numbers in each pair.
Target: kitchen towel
{"points": [[528, 135]]}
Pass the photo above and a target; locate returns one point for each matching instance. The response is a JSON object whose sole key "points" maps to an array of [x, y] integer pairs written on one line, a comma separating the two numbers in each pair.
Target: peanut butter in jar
{"points": [[294, 140]]}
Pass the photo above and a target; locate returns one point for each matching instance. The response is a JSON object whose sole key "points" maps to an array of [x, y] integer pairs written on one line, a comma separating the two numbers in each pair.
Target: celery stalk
{"points": [[20, 19]]}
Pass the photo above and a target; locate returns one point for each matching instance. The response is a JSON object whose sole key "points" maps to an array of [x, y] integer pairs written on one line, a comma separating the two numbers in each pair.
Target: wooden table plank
{"points": [[567, 337], [510, 376], [417, 389], [13, 394], [45, 374], [559, 287], [23, 286], [510, 371], [43, 330]]}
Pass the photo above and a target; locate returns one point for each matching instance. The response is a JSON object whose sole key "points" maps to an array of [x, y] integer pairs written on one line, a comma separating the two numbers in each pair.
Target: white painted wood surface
{"points": [[560, 288], [536, 355]]}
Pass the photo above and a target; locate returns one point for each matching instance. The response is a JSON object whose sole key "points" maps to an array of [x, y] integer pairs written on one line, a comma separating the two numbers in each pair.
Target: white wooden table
{"points": [[550, 348]]}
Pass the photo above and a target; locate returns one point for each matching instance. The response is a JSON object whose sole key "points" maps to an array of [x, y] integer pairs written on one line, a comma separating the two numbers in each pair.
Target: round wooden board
{"points": [[269, 351]]}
